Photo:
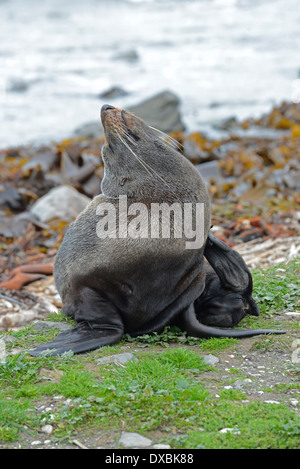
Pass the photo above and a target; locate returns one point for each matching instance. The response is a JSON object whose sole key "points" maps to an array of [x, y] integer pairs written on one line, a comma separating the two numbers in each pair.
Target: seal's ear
{"points": [[228, 265]]}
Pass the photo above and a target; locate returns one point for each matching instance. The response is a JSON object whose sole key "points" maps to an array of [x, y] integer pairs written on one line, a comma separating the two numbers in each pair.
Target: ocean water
{"points": [[222, 58]]}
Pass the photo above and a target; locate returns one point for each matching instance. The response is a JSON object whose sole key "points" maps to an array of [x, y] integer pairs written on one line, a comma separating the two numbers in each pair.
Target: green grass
{"points": [[164, 390], [277, 288], [257, 426], [161, 390]]}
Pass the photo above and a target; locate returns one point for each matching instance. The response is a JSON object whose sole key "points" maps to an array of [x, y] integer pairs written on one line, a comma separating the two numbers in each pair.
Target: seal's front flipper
{"points": [[98, 320], [82, 338]]}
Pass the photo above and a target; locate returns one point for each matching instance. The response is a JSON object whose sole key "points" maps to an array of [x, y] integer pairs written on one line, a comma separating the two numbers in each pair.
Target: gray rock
{"points": [[46, 325], [228, 123], [121, 358], [129, 55], [195, 154], [134, 440], [241, 383], [113, 92], [12, 199], [210, 170], [47, 429], [161, 446], [62, 202], [161, 111], [210, 359], [18, 85], [292, 180]]}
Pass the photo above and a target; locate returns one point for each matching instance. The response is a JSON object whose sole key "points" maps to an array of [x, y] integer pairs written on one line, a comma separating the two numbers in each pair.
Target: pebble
{"points": [[134, 440], [47, 325], [120, 358], [230, 430], [295, 343], [272, 402], [210, 359], [47, 429], [161, 446], [240, 383]]}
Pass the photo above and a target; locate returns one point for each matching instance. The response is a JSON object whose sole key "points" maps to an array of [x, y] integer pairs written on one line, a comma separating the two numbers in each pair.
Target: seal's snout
{"points": [[106, 107], [105, 115]]}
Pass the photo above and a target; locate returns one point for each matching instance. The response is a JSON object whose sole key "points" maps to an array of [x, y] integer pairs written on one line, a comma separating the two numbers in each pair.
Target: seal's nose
{"points": [[106, 107]]}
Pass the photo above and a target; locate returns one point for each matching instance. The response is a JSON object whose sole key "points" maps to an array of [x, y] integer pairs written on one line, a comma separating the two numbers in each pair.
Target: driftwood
{"points": [[270, 252]]}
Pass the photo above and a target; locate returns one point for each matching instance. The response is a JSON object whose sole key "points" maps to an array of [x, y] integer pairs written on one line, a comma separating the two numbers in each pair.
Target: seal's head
{"points": [[140, 160]]}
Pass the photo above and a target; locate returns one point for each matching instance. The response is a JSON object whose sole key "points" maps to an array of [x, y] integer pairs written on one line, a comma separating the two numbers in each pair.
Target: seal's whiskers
{"points": [[120, 130], [168, 139], [135, 155], [145, 165]]}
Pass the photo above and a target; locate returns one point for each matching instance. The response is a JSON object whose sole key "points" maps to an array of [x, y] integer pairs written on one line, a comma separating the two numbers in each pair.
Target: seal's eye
{"points": [[123, 179], [160, 145], [132, 135]]}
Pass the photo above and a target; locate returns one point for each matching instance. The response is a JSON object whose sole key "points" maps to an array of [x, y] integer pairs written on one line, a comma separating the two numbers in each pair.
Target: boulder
{"points": [[62, 202], [161, 111]]}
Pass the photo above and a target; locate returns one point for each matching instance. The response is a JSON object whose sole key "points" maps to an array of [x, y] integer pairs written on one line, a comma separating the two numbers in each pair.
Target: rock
{"points": [[90, 130], [210, 171], [121, 358], [272, 402], [230, 430], [18, 85], [15, 226], [161, 111], [72, 173], [241, 188], [47, 429], [130, 55], [13, 319], [46, 325], [44, 158], [228, 123], [161, 446], [296, 342], [113, 92], [134, 440], [210, 359], [240, 383], [12, 199], [62, 202], [292, 179]]}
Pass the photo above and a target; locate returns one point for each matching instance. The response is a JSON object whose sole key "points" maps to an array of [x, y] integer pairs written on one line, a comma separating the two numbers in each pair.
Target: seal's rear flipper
{"points": [[190, 324], [228, 265], [231, 269], [82, 338]]}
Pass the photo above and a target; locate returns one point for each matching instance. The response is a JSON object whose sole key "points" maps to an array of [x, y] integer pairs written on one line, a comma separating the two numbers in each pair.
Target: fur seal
{"points": [[114, 283]]}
